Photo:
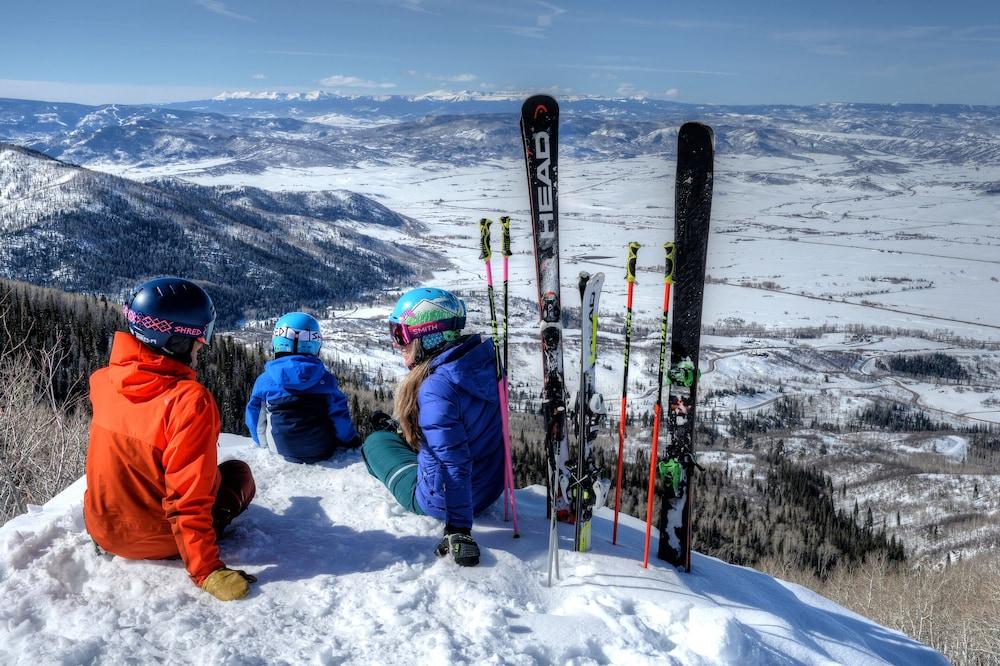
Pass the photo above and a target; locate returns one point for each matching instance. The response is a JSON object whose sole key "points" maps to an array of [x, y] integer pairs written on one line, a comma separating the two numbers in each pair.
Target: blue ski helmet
{"points": [[434, 316], [168, 313], [297, 333]]}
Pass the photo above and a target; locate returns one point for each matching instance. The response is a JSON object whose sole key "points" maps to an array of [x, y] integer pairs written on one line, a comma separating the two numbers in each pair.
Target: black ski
{"points": [[692, 210], [540, 133]]}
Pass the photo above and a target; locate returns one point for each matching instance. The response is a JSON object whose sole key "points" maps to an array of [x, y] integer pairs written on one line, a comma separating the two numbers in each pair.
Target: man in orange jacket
{"points": [[154, 490]]}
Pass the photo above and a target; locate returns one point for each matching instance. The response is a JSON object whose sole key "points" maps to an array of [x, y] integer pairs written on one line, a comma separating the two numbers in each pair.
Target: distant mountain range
{"points": [[253, 131], [65, 226]]}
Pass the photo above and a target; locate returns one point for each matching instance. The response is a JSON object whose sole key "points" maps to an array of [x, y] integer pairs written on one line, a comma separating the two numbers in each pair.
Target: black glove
{"points": [[353, 443], [381, 422], [463, 548]]}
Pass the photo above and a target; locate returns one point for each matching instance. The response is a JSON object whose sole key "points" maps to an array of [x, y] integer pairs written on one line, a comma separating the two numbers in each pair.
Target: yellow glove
{"points": [[228, 584]]}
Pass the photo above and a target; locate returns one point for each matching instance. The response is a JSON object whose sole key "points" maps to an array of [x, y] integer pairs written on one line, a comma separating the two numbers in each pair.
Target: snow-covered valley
{"points": [[815, 272]]}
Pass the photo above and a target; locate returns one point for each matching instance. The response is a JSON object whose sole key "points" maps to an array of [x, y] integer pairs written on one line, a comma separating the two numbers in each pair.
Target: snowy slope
{"points": [[347, 577]]}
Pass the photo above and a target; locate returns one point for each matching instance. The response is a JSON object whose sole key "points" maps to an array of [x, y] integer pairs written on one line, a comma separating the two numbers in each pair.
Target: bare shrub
{"points": [[43, 442], [953, 608]]}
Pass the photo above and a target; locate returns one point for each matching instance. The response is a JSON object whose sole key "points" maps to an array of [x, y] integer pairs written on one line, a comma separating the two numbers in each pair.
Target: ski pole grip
{"points": [[633, 257], [671, 260], [505, 238], [484, 239]]}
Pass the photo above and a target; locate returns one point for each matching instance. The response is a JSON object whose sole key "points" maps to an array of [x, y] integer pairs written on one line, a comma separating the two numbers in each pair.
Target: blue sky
{"points": [[724, 52]]}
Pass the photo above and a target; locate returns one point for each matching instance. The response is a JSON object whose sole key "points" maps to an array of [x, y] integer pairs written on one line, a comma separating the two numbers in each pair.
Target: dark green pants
{"points": [[392, 462]]}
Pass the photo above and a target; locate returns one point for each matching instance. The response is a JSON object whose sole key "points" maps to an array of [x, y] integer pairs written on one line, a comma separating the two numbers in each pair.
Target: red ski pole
{"points": [[633, 254], [668, 280]]}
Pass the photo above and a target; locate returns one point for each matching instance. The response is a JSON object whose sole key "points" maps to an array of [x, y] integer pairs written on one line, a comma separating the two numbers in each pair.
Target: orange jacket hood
{"points": [[139, 373]]}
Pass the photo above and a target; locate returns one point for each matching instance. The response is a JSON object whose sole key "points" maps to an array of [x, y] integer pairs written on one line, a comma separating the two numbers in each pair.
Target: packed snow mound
{"points": [[346, 576]]}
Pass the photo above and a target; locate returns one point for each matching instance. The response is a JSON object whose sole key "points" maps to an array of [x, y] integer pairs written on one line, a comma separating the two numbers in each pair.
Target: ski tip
{"points": [[540, 104], [696, 127], [694, 133]]}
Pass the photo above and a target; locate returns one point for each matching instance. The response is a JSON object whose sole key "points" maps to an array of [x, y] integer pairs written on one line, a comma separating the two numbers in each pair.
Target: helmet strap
{"points": [[179, 348]]}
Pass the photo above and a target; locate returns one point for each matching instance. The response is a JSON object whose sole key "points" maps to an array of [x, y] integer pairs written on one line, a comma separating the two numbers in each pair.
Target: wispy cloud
{"points": [[259, 77], [101, 93], [343, 81], [413, 6], [543, 21], [417, 6], [446, 78], [324, 54], [459, 78], [599, 69], [979, 33], [678, 24], [857, 34], [840, 42], [949, 69], [218, 7], [630, 90]]}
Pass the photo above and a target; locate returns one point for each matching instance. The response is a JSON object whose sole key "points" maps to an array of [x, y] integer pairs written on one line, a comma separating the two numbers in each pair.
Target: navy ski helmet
{"points": [[297, 333], [169, 313], [434, 316]]}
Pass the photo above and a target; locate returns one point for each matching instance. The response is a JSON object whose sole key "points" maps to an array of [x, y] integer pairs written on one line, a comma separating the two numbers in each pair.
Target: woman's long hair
{"points": [[405, 407]]}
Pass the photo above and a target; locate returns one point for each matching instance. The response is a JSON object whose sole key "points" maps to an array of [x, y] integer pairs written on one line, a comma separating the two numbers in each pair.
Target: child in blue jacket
{"points": [[448, 461], [296, 408]]}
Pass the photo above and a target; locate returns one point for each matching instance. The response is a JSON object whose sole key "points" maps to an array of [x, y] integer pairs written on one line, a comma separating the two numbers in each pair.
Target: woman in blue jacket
{"points": [[296, 408], [446, 459]]}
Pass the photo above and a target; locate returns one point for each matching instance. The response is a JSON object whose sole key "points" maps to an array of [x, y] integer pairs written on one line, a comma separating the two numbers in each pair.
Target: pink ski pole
{"points": [[510, 499]]}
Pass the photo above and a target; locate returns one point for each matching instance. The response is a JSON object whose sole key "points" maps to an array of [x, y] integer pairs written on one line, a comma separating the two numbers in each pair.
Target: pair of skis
{"points": [[571, 485], [575, 483]]}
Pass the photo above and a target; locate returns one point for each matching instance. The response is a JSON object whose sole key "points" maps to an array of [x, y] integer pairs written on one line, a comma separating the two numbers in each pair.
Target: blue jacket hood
{"points": [[298, 372]]}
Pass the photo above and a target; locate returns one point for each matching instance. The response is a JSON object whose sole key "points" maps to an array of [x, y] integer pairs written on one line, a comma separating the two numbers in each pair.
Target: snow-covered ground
{"points": [[346, 576]]}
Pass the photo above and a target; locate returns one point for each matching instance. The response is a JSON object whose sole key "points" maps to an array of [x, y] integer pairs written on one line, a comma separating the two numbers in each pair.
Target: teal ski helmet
{"points": [[297, 333], [433, 316]]}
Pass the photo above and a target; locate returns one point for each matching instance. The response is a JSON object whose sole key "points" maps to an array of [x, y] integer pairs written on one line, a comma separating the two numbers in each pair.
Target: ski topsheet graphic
{"points": [[692, 210], [585, 488], [540, 133]]}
